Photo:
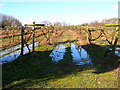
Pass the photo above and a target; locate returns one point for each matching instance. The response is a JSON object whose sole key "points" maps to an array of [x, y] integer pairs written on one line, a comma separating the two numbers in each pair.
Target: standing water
{"points": [[58, 53], [80, 56], [117, 51], [14, 55], [11, 49]]}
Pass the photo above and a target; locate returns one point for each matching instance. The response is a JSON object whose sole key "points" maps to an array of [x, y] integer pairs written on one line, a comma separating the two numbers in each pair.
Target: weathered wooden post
{"points": [[33, 48], [22, 40], [12, 27], [33, 33], [117, 34], [89, 35]]}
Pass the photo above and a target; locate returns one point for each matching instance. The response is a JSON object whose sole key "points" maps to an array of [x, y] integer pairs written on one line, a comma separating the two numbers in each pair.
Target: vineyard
{"points": [[39, 69], [11, 36]]}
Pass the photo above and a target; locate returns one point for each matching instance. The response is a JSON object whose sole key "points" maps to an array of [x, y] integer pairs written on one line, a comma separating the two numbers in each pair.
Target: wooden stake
{"points": [[117, 34], [22, 40], [33, 33]]}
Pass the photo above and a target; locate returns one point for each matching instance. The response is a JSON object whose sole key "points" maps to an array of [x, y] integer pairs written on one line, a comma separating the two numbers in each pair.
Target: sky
{"points": [[72, 12]]}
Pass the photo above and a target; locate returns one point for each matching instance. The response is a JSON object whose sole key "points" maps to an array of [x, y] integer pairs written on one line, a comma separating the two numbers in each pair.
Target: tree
{"points": [[58, 24], [9, 21], [46, 22]]}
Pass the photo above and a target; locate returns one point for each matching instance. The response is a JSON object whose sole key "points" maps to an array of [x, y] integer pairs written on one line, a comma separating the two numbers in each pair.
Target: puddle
{"points": [[14, 55], [117, 51], [58, 53], [11, 49], [80, 55]]}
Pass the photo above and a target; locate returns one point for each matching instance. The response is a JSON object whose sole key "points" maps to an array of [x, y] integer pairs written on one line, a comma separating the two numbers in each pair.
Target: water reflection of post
{"points": [[87, 57], [79, 47], [80, 51], [14, 55]]}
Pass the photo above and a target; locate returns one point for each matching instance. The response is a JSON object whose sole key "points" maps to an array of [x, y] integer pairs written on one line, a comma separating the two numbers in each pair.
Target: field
{"points": [[37, 70]]}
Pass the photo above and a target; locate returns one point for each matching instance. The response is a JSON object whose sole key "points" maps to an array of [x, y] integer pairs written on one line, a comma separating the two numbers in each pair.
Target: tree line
{"points": [[9, 21], [102, 23], [6, 20]]}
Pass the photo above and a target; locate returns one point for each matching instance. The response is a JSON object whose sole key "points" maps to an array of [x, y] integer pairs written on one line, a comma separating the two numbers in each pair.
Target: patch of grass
{"points": [[9, 46], [9, 39]]}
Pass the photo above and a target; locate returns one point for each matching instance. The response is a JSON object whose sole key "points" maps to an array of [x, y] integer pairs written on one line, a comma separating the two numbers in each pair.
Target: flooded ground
{"points": [[58, 53], [15, 54], [11, 49], [80, 55], [117, 51]]}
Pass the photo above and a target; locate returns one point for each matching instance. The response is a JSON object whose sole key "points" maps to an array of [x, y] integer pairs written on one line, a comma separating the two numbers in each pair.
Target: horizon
{"points": [[72, 13]]}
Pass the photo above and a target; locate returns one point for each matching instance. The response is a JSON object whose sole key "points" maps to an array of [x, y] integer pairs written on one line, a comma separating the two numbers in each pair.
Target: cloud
{"points": [[116, 6], [2, 4], [91, 6]]}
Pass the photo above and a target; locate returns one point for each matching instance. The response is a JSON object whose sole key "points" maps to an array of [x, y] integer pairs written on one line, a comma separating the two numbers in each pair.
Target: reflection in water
{"points": [[11, 49], [80, 56], [58, 53], [12, 56], [117, 51]]}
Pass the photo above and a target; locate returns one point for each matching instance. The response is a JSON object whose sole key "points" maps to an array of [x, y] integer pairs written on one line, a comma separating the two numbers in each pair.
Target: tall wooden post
{"points": [[13, 34], [33, 49], [117, 34], [22, 40], [87, 34], [33, 33]]}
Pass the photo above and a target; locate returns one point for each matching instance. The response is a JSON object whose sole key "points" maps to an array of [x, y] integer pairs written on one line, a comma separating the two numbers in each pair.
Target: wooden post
{"points": [[33, 37], [12, 34], [117, 34], [87, 35], [115, 42], [33, 33], [22, 40]]}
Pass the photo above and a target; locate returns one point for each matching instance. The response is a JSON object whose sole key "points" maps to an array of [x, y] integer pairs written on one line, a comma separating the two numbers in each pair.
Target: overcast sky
{"points": [[73, 12]]}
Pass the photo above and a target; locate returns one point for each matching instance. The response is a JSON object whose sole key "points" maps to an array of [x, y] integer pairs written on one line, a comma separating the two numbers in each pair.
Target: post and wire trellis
{"points": [[33, 35]]}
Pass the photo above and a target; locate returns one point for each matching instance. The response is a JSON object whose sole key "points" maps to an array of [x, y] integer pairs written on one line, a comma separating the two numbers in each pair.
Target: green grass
{"points": [[9, 47], [39, 38], [9, 39], [38, 71]]}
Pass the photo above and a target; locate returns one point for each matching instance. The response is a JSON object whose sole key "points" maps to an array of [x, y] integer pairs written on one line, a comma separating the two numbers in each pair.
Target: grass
{"points": [[9, 47], [39, 38], [9, 39], [38, 71]]}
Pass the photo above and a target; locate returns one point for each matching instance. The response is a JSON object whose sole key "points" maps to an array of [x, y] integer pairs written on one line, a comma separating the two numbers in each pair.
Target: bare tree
{"points": [[9, 21], [58, 24], [46, 22]]}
